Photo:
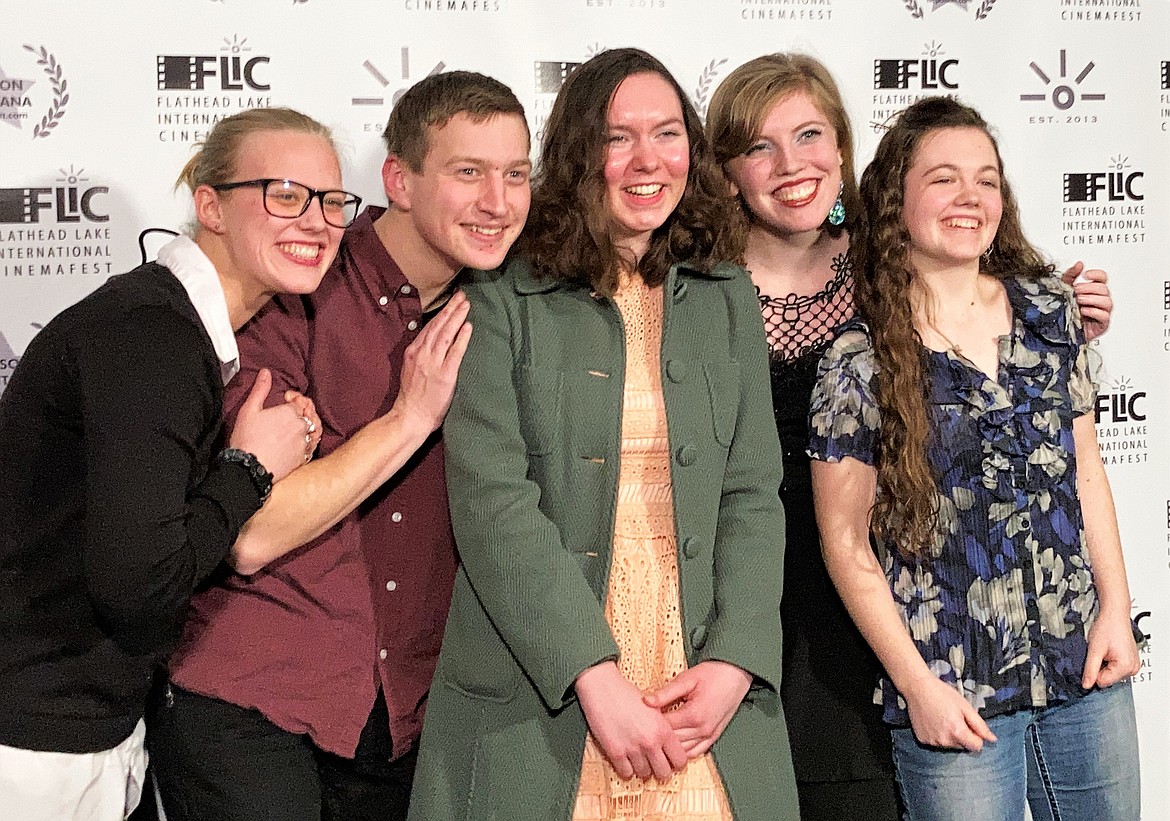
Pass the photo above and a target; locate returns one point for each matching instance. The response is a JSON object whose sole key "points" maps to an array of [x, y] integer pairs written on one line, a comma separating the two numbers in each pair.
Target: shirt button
{"points": [[396, 517], [383, 300], [382, 654], [391, 585], [405, 289], [412, 325]]}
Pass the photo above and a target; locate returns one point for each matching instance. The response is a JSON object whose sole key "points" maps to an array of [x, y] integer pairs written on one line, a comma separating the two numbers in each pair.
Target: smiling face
{"points": [[790, 176], [470, 199], [952, 201], [647, 158], [266, 254]]}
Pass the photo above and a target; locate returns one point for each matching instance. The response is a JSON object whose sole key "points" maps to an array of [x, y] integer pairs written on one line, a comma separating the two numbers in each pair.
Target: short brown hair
{"points": [[745, 97], [216, 155], [433, 101]]}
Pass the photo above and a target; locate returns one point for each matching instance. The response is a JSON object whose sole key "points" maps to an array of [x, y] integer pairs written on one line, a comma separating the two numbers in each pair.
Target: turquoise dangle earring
{"points": [[837, 212]]}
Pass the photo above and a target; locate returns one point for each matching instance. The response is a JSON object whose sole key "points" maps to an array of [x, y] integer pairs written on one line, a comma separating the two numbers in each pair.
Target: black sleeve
{"points": [[149, 407]]}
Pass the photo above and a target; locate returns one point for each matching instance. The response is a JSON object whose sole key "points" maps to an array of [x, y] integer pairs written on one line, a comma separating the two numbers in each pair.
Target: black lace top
{"points": [[799, 329], [829, 672]]}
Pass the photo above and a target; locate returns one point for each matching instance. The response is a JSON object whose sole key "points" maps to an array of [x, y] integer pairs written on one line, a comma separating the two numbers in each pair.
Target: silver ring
{"points": [[310, 425]]}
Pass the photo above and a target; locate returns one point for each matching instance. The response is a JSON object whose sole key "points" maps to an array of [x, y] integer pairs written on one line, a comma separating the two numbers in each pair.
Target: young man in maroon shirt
{"points": [[299, 688]]}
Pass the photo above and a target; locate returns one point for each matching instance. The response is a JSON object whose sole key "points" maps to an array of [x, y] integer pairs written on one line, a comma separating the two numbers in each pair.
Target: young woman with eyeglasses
{"points": [[119, 491]]}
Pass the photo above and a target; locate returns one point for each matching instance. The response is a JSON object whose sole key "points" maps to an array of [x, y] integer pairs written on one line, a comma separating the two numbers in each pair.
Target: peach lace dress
{"points": [[642, 605]]}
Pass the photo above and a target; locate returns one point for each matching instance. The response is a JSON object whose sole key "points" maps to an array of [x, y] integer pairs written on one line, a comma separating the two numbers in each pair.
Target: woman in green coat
{"points": [[613, 646]]}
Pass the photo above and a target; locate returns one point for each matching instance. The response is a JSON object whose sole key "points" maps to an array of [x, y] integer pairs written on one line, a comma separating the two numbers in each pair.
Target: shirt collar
{"points": [[199, 278], [371, 259]]}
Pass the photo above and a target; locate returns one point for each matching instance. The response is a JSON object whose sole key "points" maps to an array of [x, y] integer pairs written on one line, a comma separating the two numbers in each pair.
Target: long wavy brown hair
{"points": [[745, 98], [906, 510], [568, 234]]}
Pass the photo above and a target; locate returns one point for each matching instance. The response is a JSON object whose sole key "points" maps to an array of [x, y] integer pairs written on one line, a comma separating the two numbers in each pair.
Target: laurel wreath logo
{"points": [[984, 9], [704, 87], [913, 7], [48, 63]]}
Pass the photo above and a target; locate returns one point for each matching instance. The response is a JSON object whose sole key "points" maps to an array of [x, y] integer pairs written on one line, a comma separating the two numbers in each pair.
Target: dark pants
{"points": [[218, 762], [872, 799]]}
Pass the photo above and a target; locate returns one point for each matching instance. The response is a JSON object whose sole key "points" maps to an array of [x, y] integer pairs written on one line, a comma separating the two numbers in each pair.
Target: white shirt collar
{"points": [[194, 270]]}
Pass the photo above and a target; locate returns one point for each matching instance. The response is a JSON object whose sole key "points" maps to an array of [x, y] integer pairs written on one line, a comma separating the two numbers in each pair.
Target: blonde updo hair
{"points": [[214, 161]]}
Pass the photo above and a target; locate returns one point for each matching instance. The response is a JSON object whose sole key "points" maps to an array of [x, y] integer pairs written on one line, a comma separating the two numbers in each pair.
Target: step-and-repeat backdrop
{"points": [[100, 101]]}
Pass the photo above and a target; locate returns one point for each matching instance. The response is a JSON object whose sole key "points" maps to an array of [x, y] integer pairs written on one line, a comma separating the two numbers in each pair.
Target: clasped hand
{"points": [[657, 733]]}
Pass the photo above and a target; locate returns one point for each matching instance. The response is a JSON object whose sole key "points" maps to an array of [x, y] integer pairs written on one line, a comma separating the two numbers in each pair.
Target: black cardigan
{"points": [[110, 508]]}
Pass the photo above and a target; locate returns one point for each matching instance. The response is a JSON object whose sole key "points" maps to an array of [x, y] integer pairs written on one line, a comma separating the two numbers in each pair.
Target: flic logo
{"points": [[70, 202], [929, 72], [234, 70], [550, 75], [1123, 405], [1114, 185], [1137, 622]]}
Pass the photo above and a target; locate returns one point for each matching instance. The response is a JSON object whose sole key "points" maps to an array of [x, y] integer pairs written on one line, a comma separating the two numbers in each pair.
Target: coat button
{"points": [[699, 637], [690, 547], [685, 455], [676, 370]]}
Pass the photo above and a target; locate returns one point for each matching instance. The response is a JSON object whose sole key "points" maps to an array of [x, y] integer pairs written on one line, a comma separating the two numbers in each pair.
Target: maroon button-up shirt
{"points": [[307, 640]]}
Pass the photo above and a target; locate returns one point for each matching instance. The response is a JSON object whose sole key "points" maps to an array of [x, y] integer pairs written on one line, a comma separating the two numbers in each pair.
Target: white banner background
{"points": [[100, 101]]}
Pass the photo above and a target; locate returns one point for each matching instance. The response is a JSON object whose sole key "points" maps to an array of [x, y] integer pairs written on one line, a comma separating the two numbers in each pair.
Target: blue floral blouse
{"points": [[1002, 606]]}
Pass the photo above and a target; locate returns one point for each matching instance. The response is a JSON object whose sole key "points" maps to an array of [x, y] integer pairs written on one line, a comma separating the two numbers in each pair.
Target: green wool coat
{"points": [[533, 443]]}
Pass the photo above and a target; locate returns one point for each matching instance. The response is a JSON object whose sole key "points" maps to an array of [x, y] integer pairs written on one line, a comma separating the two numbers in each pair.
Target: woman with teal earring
{"points": [[780, 130]]}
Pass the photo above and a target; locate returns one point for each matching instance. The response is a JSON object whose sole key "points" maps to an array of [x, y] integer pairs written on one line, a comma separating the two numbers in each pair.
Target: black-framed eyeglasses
{"points": [[289, 199]]}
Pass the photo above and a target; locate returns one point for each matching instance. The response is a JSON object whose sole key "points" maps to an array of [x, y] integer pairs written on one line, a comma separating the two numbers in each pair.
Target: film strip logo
{"points": [[234, 70]]}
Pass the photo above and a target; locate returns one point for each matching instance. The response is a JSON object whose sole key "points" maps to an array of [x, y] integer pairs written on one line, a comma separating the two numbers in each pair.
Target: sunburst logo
{"points": [[1063, 93], [72, 176], [380, 78], [235, 44], [1123, 384]]}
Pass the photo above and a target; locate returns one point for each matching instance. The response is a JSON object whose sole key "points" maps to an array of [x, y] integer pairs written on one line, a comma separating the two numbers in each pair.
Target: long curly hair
{"points": [[568, 235], [744, 98], [906, 510]]}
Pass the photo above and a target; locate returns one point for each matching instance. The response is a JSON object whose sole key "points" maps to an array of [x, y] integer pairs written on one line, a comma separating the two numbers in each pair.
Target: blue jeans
{"points": [[1075, 761]]}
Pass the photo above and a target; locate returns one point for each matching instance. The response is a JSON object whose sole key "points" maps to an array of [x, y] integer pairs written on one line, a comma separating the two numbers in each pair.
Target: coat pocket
{"points": [[723, 390], [538, 397], [474, 660]]}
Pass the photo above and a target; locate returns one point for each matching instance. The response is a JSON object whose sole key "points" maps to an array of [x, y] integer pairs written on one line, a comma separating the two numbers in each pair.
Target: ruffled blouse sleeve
{"points": [[843, 417]]}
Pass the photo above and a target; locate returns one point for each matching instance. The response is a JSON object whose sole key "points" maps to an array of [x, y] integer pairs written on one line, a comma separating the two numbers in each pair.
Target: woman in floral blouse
{"points": [[956, 422]]}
